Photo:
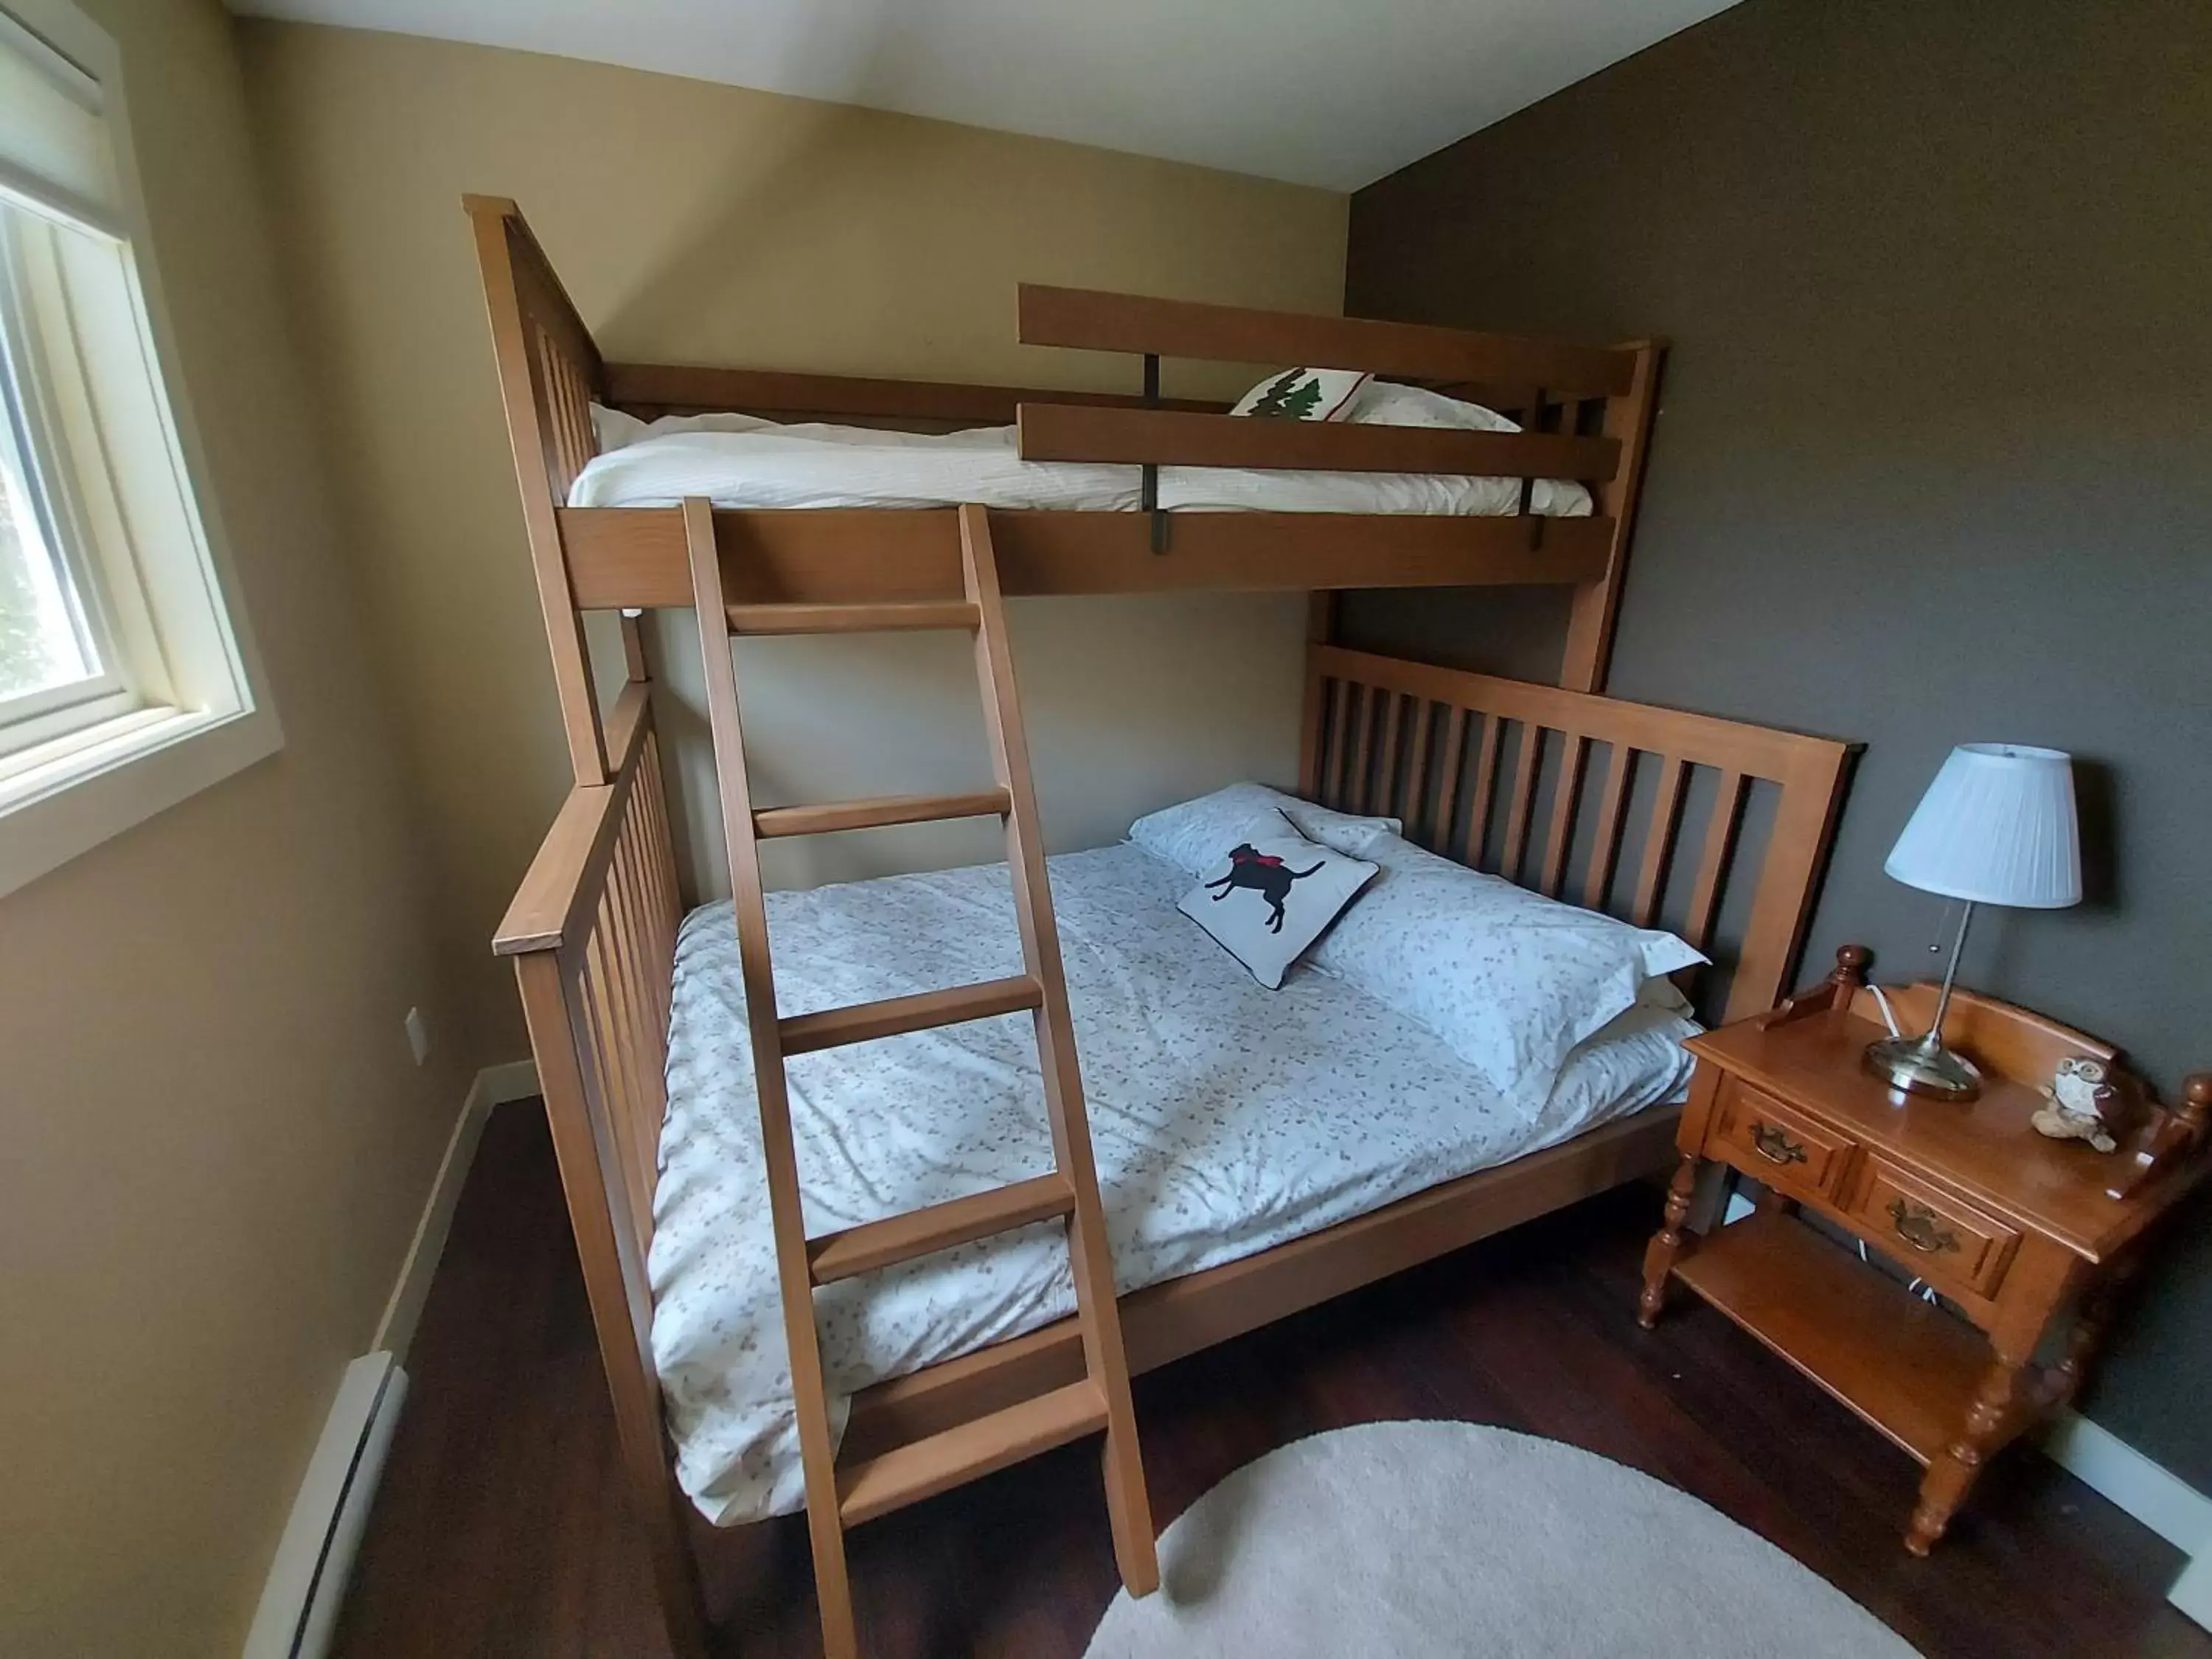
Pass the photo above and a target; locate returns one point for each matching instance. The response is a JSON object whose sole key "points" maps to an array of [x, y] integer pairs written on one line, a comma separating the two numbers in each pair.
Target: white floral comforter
{"points": [[1227, 1119]]}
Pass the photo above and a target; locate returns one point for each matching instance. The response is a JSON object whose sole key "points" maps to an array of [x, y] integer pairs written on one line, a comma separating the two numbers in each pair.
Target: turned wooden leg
{"points": [[1667, 1242], [1952, 1475], [2089, 1322]]}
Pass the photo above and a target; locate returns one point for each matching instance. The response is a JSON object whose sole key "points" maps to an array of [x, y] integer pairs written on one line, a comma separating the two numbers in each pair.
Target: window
{"points": [[126, 681], [62, 665]]}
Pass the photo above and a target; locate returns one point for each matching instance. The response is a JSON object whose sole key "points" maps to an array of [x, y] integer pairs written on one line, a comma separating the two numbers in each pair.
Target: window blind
{"points": [[55, 157]]}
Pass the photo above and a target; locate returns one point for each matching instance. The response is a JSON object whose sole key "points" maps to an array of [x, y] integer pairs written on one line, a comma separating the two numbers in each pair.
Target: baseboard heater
{"points": [[307, 1579]]}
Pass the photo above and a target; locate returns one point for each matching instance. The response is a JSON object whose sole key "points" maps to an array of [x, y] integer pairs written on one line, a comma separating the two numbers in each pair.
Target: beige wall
{"points": [[213, 1142], [703, 223]]}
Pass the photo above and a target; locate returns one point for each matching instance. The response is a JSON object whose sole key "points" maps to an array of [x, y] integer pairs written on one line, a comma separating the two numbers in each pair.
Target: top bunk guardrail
{"points": [[1546, 385], [1092, 320]]}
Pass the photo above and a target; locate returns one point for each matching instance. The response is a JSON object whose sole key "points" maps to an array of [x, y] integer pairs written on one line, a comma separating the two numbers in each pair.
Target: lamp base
{"points": [[1922, 1066]]}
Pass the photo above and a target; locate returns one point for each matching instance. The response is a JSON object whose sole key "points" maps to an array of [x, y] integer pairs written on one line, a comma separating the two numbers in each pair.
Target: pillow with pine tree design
{"points": [[1304, 394]]}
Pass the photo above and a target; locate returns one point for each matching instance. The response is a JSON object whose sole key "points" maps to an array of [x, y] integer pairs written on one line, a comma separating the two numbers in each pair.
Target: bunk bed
{"points": [[1557, 789]]}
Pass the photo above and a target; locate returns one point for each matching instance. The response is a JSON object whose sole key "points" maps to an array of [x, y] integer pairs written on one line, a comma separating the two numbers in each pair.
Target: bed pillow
{"points": [[615, 429], [1194, 833], [1267, 898], [1385, 403], [1511, 980], [1304, 394]]}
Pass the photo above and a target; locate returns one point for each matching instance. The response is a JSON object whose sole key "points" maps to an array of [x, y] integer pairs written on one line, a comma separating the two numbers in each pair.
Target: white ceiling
{"points": [[1334, 92]]}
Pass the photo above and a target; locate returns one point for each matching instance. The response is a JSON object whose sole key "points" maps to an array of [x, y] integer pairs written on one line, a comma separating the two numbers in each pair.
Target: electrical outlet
{"points": [[418, 1035]]}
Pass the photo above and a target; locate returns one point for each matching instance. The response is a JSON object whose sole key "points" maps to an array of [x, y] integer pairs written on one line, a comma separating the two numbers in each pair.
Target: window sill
{"points": [[66, 797]]}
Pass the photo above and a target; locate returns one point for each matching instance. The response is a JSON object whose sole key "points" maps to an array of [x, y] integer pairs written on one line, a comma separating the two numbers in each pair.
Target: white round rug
{"points": [[1413, 1539]]}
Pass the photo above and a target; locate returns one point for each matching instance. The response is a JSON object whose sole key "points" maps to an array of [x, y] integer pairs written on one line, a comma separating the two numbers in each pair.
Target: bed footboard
{"points": [[592, 935]]}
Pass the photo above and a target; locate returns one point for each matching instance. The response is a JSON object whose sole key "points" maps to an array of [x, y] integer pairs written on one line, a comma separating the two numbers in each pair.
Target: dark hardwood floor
{"points": [[501, 1527]]}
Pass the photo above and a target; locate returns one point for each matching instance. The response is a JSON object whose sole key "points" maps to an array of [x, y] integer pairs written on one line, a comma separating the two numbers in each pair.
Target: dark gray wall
{"points": [[1934, 462]]}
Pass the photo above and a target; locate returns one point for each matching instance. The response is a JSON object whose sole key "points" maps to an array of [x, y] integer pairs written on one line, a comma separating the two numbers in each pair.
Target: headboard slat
{"points": [[1485, 788], [1392, 708], [1522, 801], [1363, 723], [1561, 840], [1605, 851], [1720, 837], [1782, 870], [1339, 701], [1453, 761], [1659, 839], [1417, 772]]}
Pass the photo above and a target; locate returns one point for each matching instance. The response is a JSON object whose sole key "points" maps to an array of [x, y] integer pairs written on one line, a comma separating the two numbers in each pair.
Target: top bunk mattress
{"points": [[742, 461], [1226, 1118]]}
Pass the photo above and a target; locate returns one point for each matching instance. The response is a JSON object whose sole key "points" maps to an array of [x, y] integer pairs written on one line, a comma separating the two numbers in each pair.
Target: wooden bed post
{"points": [[1597, 603], [549, 371], [1320, 630]]}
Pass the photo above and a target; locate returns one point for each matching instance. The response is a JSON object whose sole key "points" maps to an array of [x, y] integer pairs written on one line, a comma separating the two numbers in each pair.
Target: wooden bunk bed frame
{"points": [[1500, 775]]}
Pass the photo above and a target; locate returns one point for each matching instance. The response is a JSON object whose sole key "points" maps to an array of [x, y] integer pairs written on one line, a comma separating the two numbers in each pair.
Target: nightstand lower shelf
{"points": [[1905, 1366]]}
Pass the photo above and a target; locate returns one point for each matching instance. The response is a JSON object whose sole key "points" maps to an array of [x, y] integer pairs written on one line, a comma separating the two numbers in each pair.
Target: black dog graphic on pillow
{"points": [[1265, 874]]}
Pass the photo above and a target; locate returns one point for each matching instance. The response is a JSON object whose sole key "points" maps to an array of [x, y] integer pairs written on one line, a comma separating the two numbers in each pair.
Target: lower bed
{"points": [[1227, 1119]]}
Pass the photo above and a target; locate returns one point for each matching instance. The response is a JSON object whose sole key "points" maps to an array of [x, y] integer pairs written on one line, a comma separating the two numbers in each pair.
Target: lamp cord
{"points": [[1888, 1013], [1943, 1003]]}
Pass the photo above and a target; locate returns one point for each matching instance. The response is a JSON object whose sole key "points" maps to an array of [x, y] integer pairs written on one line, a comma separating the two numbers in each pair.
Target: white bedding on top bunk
{"points": [[739, 460], [1227, 1118]]}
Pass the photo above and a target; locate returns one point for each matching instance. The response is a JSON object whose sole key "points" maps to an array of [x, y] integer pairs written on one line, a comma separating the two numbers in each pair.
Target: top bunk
{"points": [[1546, 497]]}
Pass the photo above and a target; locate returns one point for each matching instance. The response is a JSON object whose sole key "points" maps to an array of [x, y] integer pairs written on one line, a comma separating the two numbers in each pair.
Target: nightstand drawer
{"points": [[1776, 1144], [1937, 1236]]}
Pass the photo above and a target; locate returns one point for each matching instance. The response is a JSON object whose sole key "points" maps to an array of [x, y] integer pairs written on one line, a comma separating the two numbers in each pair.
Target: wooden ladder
{"points": [[838, 1499]]}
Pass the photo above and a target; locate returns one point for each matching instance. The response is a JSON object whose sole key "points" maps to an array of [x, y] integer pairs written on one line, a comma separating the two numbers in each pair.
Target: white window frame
{"points": [[119, 478]]}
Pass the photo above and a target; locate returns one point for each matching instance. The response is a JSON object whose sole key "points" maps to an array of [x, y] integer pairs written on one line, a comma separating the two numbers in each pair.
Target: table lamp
{"points": [[1996, 827]]}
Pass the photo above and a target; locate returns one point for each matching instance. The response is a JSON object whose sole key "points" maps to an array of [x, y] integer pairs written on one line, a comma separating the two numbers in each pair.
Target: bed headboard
{"points": [[1587, 799], [549, 371]]}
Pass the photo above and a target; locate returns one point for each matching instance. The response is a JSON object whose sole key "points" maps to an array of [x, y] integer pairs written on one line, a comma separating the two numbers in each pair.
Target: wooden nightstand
{"points": [[2029, 1237]]}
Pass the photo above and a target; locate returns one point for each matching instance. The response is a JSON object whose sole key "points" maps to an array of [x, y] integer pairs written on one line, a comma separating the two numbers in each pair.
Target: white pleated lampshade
{"points": [[1996, 827]]}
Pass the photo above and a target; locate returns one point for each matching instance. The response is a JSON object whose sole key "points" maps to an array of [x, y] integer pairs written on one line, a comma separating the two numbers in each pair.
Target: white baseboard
{"points": [[495, 1086], [2151, 1493], [2193, 1591], [2155, 1495], [515, 1079], [307, 1582]]}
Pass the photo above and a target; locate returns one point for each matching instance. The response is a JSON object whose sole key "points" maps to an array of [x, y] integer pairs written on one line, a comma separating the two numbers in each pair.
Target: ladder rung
{"points": [[909, 1474], [876, 813], [939, 1227], [864, 1021], [852, 618]]}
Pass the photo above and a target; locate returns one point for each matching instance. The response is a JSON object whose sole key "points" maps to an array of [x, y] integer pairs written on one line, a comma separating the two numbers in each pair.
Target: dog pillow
{"points": [[1269, 896]]}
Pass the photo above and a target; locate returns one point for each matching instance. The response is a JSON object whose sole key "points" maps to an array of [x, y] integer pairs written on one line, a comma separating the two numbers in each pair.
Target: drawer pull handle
{"points": [[1917, 1226], [1770, 1144]]}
